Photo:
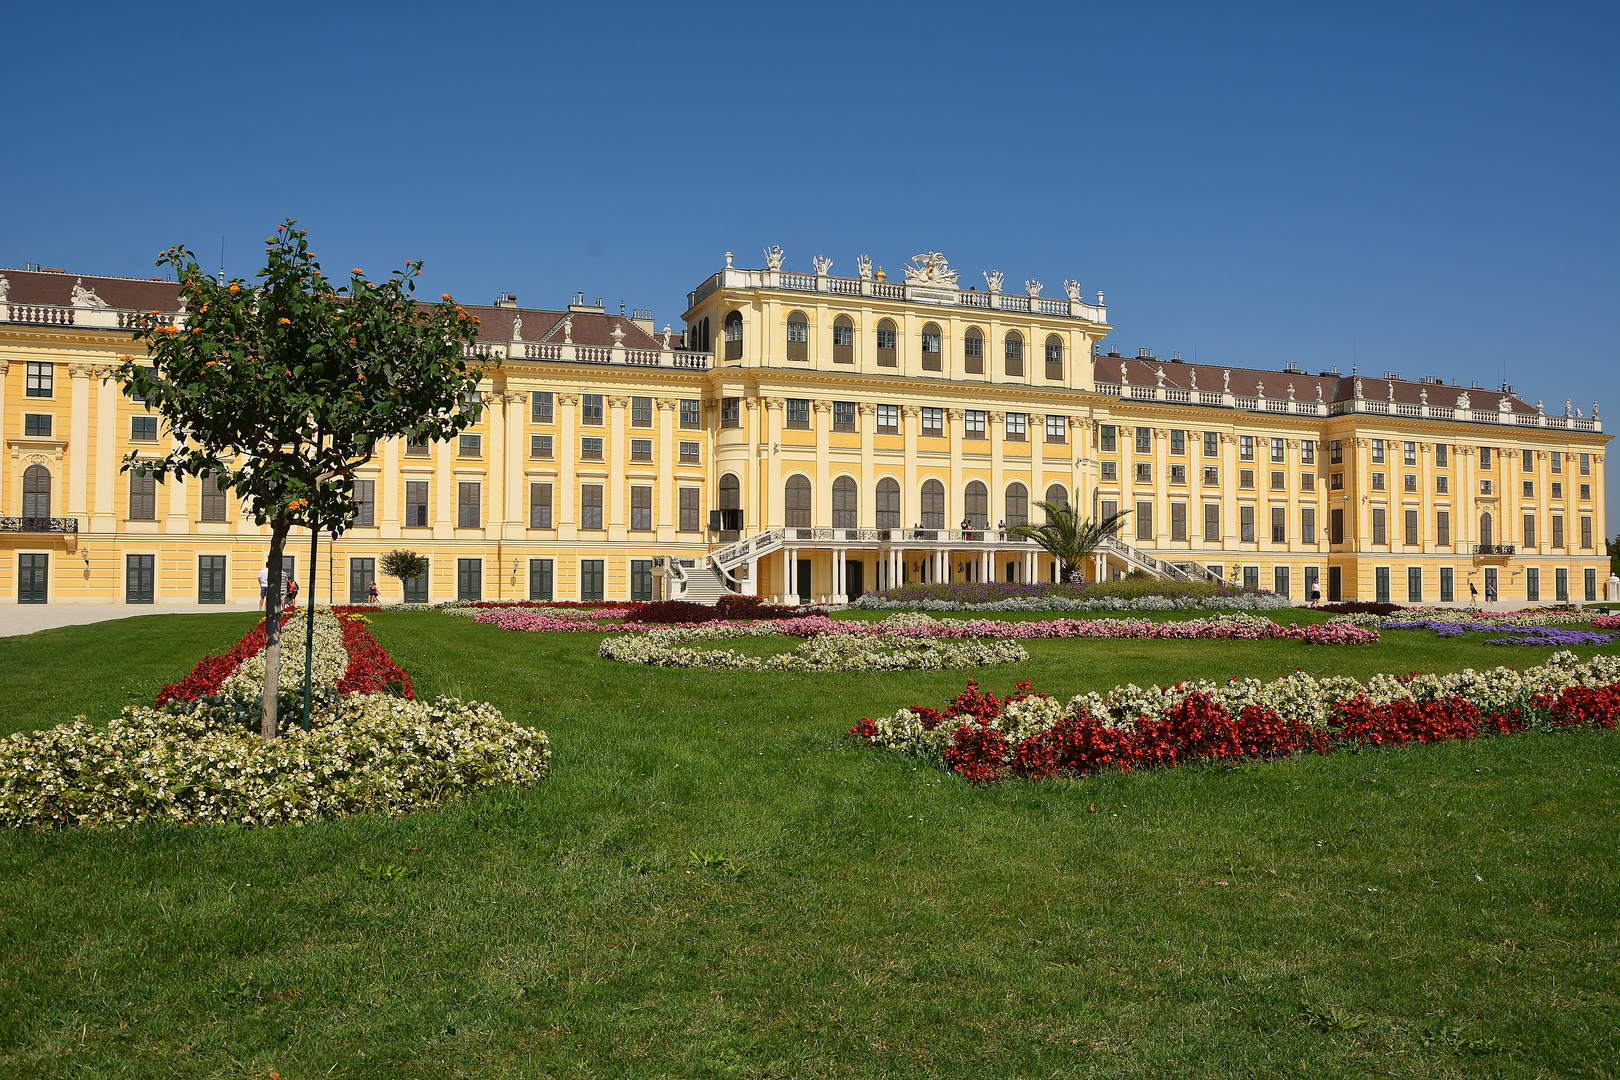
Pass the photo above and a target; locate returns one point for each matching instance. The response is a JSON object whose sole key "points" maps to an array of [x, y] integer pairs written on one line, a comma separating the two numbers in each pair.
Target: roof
{"points": [[584, 327], [50, 287]]}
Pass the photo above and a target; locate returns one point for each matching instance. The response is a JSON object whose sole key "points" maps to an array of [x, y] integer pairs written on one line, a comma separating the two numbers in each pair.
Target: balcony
{"points": [[39, 525], [1494, 551]]}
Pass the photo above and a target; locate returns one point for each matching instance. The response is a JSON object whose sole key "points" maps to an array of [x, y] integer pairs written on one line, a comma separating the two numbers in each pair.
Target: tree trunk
{"points": [[272, 633]]}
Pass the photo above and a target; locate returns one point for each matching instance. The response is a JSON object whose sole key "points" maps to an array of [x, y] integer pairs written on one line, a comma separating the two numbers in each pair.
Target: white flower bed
{"points": [[672, 647], [1242, 602]]}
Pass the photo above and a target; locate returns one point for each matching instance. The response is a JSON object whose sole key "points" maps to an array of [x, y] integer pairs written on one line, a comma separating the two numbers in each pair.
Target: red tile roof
{"points": [[41, 287]]}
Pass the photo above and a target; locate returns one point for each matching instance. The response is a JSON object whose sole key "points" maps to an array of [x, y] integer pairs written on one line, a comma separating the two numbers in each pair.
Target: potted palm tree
{"points": [[1068, 539]]}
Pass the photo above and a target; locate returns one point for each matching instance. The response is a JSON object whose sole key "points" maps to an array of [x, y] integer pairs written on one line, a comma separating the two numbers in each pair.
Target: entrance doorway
{"points": [[33, 578], [853, 584], [804, 580]]}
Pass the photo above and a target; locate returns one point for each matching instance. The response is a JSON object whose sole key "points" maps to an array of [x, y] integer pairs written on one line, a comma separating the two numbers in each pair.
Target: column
{"points": [[79, 440], [667, 461], [840, 559], [617, 450], [567, 455], [106, 513]]}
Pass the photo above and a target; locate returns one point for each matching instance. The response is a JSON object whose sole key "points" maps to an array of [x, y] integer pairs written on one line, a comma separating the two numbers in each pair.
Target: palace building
{"points": [[812, 437]]}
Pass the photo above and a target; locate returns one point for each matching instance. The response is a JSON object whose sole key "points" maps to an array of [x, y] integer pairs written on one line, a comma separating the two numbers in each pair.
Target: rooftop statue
{"points": [[863, 267], [83, 297], [1072, 290], [930, 268], [5, 288], [773, 257], [994, 278], [1033, 287]]}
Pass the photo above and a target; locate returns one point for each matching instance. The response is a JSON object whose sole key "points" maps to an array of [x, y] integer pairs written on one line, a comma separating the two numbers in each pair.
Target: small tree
{"points": [[1068, 539], [404, 564], [279, 390], [1614, 555]]}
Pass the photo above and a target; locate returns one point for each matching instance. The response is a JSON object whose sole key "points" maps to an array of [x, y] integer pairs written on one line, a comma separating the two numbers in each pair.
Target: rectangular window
{"points": [[592, 579], [1409, 482], [1017, 427], [365, 502], [590, 409], [540, 446], [886, 339], [973, 424], [1246, 478], [1212, 444], [843, 416], [640, 449], [1110, 470], [362, 572], [1279, 580], [1411, 522], [470, 446], [1380, 527], [1561, 585], [691, 414], [1178, 474], [41, 379], [1557, 489], [888, 419], [1484, 457], [1447, 585], [1144, 440], [1279, 525], [1532, 583], [143, 429], [1246, 524], [542, 407], [843, 343], [1586, 533], [1442, 528], [1529, 530], [641, 576], [1144, 521], [1527, 460], [590, 506], [1442, 454], [416, 503], [1307, 452], [1178, 521], [1442, 485], [1335, 452], [1378, 481], [542, 579], [1586, 493], [1178, 441], [641, 514], [142, 497], [691, 452], [1279, 450], [137, 388], [1144, 472], [469, 505], [1307, 481], [1586, 464], [1212, 523], [415, 448], [1589, 579], [641, 411], [1251, 578], [416, 588], [539, 506], [1212, 475], [1485, 487], [590, 448], [1556, 460], [1378, 451], [691, 519], [211, 579], [933, 422], [1414, 584], [1246, 447], [1107, 438], [1057, 429], [37, 425], [1279, 480], [1336, 524], [730, 412], [1336, 481], [1307, 525], [1409, 453], [1381, 584], [470, 579]]}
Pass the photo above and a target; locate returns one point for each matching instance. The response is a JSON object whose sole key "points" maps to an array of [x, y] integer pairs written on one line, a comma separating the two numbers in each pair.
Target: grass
{"points": [[715, 883]]}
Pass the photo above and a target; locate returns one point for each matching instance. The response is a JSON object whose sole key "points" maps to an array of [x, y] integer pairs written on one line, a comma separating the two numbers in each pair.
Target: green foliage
{"points": [[1614, 555], [401, 563], [1068, 539]]}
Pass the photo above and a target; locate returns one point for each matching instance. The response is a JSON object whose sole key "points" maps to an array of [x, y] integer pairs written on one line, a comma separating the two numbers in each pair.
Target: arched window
{"points": [[973, 351], [931, 347], [845, 504], [1485, 530], [798, 336], [1013, 350], [1054, 358], [1017, 504], [888, 503], [730, 503], [1058, 494], [976, 505], [933, 505], [36, 492], [734, 336], [797, 502], [843, 340], [887, 356]]}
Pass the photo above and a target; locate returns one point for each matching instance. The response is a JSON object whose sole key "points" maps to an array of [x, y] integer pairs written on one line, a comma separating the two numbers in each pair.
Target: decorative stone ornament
{"points": [[863, 267], [993, 280], [930, 268], [86, 298], [1072, 290], [822, 264], [1033, 287], [773, 258]]}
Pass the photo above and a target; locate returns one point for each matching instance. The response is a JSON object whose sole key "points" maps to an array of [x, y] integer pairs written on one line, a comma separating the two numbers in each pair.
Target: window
{"points": [[1411, 517], [798, 336], [1409, 482], [1484, 457], [1212, 523], [1144, 440], [1381, 584], [590, 448], [37, 492], [888, 419], [843, 416], [1441, 454], [1017, 505], [1485, 532], [1442, 528], [1307, 525], [797, 502], [1307, 481], [1110, 470], [731, 517], [1336, 527], [590, 506], [143, 429], [933, 504], [973, 424], [1279, 525], [1178, 474], [1017, 427], [1485, 487], [1561, 585], [1178, 441], [539, 506], [1279, 450], [641, 519], [211, 579], [1558, 489], [1246, 524], [886, 354], [1212, 475], [365, 500], [1251, 578], [641, 411], [1586, 464], [690, 452], [640, 449], [1144, 521], [1556, 460], [798, 413], [542, 408], [1378, 451], [1245, 447], [691, 500], [843, 340], [733, 335], [888, 503], [542, 579], [415, 448], [1378, 481], [41, 379], [1178, 521], [973, 352], [1307, 452], [1589, 577], [846, 503], [137, 388], [1107, 438], [1246, 478], [1414, 584], [730, 412], [976, 505], [470, 446], [1058, 495], [142, 497], [933, 422], [931, 347], [1529, 524], [1279, 580], [1013, 354], [37, 425], [1212, 444], [1532, 583], [1409, 453], [416, 588], [590, 409], [1529, 489], [1586, 532], [469, 511], [1335, 452], [138, 573], [1586, 492], [1379, 527], [1279, 480], [1054, 358], [212, 500], [1336, 481], [641, 579], [416, 503], [1144, 472], [1442, 485], [691, 413], [592, 579], [1057, 430], [540, 446]]}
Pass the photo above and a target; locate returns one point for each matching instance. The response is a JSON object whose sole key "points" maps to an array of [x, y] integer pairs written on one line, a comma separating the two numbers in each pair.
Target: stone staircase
{"points": [[693, 580]]}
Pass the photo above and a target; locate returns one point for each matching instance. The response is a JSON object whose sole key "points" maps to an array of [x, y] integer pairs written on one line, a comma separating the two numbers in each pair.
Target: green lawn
{"points": [[1445, 911]]}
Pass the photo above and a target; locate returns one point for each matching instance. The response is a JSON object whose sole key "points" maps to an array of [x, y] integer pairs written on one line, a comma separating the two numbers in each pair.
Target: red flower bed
{"points": [[211, 670], [371, 670]]}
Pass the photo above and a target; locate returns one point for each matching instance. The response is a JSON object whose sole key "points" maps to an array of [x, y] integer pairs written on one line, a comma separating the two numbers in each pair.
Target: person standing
{"points": [[264, 588], [1473, 595], [371, 593], [1316, 593], [292, 592]]}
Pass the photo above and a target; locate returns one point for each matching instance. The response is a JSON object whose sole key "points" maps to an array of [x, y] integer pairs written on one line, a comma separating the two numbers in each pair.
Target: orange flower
{"points": [[172, 329], [202, 309], [286, 322], [444, 296], [235, 287], [352, 341], [210, 363]]}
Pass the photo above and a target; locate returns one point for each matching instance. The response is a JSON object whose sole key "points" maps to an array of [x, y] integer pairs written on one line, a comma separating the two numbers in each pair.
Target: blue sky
{"points": [[1425, 188]]}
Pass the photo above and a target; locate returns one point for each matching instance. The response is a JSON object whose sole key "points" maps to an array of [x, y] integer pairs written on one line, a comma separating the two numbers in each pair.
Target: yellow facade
{"points": [[811, 436]]}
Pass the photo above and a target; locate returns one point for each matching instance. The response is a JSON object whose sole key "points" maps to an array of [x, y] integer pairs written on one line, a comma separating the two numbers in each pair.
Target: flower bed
{"points": [[1496, 620], [663, 646], [1521, 635], [985, 739], [1606, 622], [1032, 598]]}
